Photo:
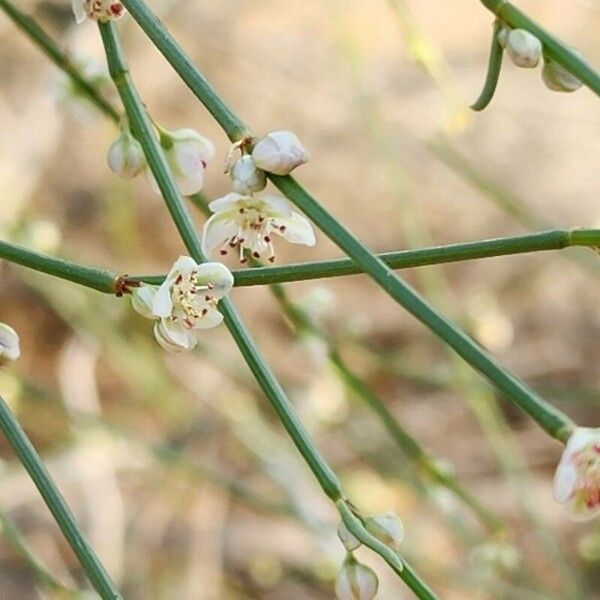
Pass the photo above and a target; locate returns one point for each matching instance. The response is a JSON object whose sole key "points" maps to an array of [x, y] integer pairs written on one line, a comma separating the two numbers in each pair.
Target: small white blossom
{"points": [[187, 153], [125, 156], [577, 479], [356, 581], [185, 303], [523, 48], [97, 10], [557, 78], [348, 539], [387, 528], [279, 152], [246, 178], [9, 343], [249, 222]]}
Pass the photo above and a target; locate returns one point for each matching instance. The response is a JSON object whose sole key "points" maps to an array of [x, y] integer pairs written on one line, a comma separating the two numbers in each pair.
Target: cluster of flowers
{"points": [[97, 10], [525, 50], [356, 581], [186, 302]]}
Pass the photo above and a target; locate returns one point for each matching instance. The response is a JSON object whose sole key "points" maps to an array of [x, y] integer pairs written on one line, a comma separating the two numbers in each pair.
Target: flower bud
{"points": [[503, 36], [557, 78], [355, 581], [523, 48], [187, 153], [125, 156], [347, 538], [246, 177], [9, 343], [279, 152], [387, 528]]}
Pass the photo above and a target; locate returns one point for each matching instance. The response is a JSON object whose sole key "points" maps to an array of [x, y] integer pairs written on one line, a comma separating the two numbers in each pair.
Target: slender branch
{"points": [[493, 70], [46, 44], [553, 47], [32, 462], [97, 279], [265, 377], [107, 281], [550, 419]]}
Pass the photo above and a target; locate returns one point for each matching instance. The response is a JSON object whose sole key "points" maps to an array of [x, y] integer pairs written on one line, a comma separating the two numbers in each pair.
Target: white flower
{"points": [[249, 222], [9, 343], [577, 479], [348, 539], [246, 177], [279, 152], [557, 78], [356, 581], [187, 153], [185, 303], [523, 48], [387, 528], [125, 156], [98, 10]]}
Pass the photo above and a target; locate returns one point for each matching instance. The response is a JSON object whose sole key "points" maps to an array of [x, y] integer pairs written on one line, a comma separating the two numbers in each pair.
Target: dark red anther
{"points": [[124, 285]]}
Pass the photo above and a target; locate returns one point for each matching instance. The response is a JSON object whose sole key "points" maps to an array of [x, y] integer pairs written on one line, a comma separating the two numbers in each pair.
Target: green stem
{"points": [[553, 47], [47, 45], [551, 420], [32, 462], [106, 281], [97, 279], [493, 70], [261, 370]]}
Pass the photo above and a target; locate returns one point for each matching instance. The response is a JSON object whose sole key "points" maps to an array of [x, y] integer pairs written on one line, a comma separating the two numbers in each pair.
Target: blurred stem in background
{"points": [[48, 46], [142, 127], [478, 397], [10, 531]]}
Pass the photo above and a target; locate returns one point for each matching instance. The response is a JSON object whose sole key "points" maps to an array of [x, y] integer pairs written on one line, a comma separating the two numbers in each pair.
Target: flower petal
{"points": [[581, 437], [190, 183], [216, 230], [79, 11], [162, 305], [227, 202], [578, 510], [142, 299], [173, 337], [298, 230], [183, 265], [218, 275], [9, 342], [280, 207], [211, 319], [565, 480]]}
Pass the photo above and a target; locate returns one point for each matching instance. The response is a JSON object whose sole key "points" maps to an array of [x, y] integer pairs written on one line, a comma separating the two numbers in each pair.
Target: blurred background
{"points": [[175, 465]]}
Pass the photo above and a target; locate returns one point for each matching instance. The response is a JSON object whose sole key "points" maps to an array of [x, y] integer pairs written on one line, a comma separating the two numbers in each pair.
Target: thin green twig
{"points": [[32, 462], [106, 281], [493, 70], [48, 46]]}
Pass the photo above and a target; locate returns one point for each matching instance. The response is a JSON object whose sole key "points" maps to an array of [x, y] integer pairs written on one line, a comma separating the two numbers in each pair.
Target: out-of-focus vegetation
{"points": [[175, 465]]}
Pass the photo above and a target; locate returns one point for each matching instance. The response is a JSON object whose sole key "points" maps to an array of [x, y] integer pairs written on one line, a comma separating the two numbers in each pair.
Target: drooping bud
{"points": [[387, 528], [125, 156], [279, 152], [523, 48], [350, 541], [9, 343], [557, 78], [246, 177], [355, 581]]}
